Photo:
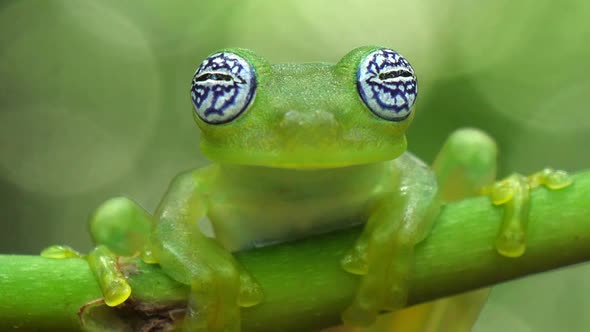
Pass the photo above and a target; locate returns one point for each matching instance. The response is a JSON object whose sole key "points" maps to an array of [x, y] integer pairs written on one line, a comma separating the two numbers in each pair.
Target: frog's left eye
{"points": [[223, 87], [387, 84]]}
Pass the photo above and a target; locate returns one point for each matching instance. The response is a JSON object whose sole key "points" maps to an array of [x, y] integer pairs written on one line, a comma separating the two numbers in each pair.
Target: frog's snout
{"points": [[310, 127]]}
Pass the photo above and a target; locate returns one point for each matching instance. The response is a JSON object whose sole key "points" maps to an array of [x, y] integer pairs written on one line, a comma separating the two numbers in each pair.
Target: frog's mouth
{"points": [[306, 157]]}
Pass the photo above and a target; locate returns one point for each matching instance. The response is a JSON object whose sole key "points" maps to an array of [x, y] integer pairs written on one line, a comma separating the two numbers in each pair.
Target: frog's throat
{"points": [[305, 157]]}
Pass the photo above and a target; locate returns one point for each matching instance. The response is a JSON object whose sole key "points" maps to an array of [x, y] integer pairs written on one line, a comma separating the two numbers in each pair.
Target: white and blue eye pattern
{"points": [[223, 87], [387, 84]]}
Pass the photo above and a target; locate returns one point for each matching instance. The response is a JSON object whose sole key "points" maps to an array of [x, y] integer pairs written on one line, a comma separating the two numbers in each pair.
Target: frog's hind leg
{"points": [[121, 225], [465, 164]]}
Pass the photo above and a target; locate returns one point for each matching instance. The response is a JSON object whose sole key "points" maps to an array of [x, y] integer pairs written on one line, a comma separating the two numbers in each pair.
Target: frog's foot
{"points": [[104, 265], [120, 227], [514, 193], [385, 262]]}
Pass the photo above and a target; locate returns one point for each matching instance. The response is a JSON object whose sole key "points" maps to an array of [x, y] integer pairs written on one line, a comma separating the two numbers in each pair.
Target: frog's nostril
{"points": [[314, 118], [293, 118], [324, 118]]}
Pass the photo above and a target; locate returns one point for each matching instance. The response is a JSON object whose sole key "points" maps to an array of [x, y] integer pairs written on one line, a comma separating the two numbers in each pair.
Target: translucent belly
{"points": [[266, 219]]}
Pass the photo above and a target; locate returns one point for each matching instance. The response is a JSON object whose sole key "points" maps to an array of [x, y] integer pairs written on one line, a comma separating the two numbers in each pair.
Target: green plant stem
{"points": [[304, 284]]}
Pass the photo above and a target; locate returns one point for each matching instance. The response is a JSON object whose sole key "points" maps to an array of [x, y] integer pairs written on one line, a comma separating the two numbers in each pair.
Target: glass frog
{"points": [[301, 149]]}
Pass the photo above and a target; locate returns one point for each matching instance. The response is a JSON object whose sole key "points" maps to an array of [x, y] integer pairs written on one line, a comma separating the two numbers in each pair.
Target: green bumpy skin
{"points": [[305, 156]]}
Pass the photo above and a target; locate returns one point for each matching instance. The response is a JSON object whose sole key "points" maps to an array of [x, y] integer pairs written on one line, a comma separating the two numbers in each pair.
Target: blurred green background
{"points": [[94, 102]]}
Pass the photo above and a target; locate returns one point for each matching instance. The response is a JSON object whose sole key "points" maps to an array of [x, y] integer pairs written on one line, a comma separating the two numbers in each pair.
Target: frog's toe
{"points": [[500, 192], [359, 315], [511, 243], [116, 291], [212, 309], [112, 281], [552, 179], [385, 284], [558, 179], [213, 302], [364, 308], [398, 279], [378, 292], [148, 255], [398, 296], [250, 293], [60, 252], [355, 261]]}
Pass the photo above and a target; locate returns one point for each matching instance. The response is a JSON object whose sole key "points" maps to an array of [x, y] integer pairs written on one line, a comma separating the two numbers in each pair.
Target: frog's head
{"points": [[304, 115]]}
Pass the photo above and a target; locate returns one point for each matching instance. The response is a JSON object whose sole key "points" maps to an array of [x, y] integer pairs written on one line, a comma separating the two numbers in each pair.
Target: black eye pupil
{"points": [[213, 77], [394, 74]]}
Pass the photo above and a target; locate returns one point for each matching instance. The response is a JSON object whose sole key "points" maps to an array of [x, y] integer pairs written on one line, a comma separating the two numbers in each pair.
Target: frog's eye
{"points": [[387, 84], [223, 87]]}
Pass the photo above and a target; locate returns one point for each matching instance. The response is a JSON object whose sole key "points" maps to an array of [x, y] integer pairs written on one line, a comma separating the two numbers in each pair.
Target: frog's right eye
{"points": [[223, 87], [387, 84]]}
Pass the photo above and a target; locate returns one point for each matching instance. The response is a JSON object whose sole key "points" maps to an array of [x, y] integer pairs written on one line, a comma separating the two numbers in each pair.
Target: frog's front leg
{"points": [[119, 227], [219, 285], [466, 166], [384, 254], [513, 193]]}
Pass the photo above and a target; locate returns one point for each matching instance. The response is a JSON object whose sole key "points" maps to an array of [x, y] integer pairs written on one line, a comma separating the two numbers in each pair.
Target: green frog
{"points": [[302, 149]]}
